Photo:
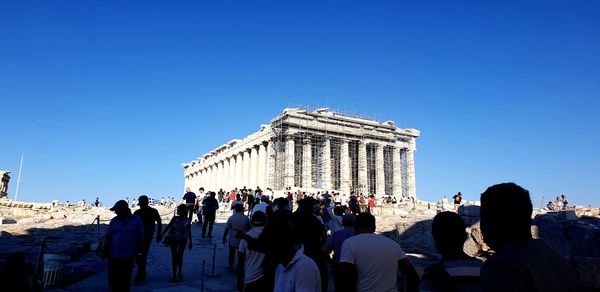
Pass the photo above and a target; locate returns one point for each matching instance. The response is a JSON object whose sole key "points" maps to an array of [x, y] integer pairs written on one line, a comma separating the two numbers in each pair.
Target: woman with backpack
{"points": [[179, 232]]}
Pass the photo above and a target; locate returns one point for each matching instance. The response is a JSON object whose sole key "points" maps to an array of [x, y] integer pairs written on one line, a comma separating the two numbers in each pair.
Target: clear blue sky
{"points": [[109, 97]]}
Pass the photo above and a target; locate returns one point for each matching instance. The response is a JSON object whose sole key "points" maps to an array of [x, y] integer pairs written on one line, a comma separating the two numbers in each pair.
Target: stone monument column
{"points": [[289, 161], [253, 166], [397, 177], [379, 171], [410, 173], [246, 168], [270, 173], [239, 163], [262, 166], [306, 163], [344, 168], [326, 168], [363, 184], [226, 173]]}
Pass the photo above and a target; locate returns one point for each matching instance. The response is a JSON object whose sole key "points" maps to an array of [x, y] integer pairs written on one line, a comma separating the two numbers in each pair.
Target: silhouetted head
{"points": [[121, 208], [505, 215], [259, 218], [365, 223], [143, 201], [182, 210], [238, 207], [213, 194], [448, 230], [348, 220]]}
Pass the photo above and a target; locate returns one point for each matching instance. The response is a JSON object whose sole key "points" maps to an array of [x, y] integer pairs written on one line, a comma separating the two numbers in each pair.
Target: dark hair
{"points": [[505, 214], [448, 230], [365, 221], [181, 209], [143, 200]]}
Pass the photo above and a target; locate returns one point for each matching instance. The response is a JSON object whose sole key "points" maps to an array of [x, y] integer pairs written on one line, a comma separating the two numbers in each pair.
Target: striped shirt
{"points": [[455, 275]]}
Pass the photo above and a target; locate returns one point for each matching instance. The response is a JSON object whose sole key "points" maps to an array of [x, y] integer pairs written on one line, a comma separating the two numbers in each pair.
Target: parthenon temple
{"points": [[313, 151]]}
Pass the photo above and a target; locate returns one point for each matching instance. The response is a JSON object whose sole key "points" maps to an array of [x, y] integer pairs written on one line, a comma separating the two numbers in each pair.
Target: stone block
{"points": [[469, 210], [568, 216]]}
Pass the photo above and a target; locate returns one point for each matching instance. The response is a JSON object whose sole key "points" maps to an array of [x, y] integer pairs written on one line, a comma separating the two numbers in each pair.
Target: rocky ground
{"points": [[574, 234]]}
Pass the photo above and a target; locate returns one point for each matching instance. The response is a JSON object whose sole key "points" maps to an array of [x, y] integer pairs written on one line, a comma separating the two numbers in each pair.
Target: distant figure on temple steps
{"points": [[520, 262]]}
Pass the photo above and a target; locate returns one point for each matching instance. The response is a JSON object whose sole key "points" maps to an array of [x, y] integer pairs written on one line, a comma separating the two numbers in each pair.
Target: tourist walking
{"points": [[457, 271], [334, 244], [125, 236], [238, 222], [519, 263], [209, 210], [457, 199], [150, 219], [370, 262], [189, 199], [251, 269], [179, 233]]}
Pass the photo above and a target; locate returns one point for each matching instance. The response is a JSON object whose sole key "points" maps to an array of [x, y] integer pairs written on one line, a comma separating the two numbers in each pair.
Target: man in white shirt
{"points": [[297, 273], [250, 262], [370, 262], [238, 222]]}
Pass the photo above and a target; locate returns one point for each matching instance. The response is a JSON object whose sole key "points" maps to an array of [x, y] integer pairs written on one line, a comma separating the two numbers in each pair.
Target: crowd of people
{"points": [[291, 242], [561, 203]]}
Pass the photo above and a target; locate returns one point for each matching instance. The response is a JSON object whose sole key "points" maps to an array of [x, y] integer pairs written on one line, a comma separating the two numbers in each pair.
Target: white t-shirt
{"points": [[260, 207], [300, 275], [237, 221], [253, 266], [376, 260]]}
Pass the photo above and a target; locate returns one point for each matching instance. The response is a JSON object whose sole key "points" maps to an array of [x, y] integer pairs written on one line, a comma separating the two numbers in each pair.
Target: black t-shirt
{"points": [[190, 198], [209, 206], [149, 216]]}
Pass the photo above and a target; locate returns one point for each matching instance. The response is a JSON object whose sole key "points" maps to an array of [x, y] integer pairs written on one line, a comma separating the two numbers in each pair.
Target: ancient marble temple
{"points": [[313, 151]]}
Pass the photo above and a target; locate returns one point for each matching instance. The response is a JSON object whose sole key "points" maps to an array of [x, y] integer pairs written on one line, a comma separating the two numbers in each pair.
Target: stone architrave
{"points": [[363, 185], [289, 161], [344, 167], [397, 177], [326, 168], [379, 171], [306, 163]]}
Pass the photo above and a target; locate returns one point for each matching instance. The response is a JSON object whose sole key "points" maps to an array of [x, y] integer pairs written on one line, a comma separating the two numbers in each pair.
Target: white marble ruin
{"points": [[4, 178], [313, 151]]}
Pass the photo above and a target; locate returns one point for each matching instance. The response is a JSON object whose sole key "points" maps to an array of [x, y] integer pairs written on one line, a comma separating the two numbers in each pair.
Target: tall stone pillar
{"points": [[262, 166], [344, 168], [238, 170], [270, 173], [397, 177], [363, 184], [410, 173], [226, 174], [289, 161], [326, 167], [245, 168], [222, 175], [306, 163], [379, 171], [253, 167], [218, 176], [209, 178]]}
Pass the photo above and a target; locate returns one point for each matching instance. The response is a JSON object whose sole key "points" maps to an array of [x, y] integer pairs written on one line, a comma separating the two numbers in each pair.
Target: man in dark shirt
{"points": [[189, 199], [209, 210], [149, 217], [520, 262]]}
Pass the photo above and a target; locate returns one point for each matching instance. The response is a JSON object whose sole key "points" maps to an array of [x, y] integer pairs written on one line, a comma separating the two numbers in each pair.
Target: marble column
{"points": [[397, 177], [306, 163], [254, 166], [344, 168], [262, 168], [363, 184], [410, 173], [326, 168], [239, 163], [271, 174], [222, 175], [289, 161], [245, 168], [379, 171], [226, 174]]}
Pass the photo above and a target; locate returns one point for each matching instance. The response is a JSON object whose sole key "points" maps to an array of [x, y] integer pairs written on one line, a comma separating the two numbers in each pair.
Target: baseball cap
{"points": [[120, 205]]}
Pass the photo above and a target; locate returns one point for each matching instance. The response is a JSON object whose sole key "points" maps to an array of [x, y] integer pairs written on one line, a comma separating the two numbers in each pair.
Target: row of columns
{"points": [[248, 167]]}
